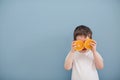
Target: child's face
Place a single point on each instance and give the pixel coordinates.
(81, 37)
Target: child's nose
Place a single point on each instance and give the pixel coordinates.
(84, 40)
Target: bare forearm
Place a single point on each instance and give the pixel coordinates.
(69, 61)
(98, 60)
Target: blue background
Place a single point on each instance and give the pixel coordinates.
(35, 36)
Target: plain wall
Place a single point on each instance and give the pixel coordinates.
(36, 35)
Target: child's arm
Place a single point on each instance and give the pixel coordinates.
(69, 61)
(69, 58)
(97, 58)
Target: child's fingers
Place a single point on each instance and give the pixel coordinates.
(73, 44)
(94, 41)
(93, 44)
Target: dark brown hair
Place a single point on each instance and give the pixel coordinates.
(82, 30)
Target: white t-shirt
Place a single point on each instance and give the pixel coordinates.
(83, 67)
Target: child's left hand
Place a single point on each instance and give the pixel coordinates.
(93, 44)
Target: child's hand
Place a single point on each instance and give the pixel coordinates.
(72, 47)
(93, 44)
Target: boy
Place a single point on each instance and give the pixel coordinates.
(84, 62)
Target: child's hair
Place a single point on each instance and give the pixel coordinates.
(82, 30)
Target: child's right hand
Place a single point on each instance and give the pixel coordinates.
(72, 46)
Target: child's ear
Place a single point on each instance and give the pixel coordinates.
(90, 36)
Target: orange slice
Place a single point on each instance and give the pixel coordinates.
(87, 43)
(79, 45)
